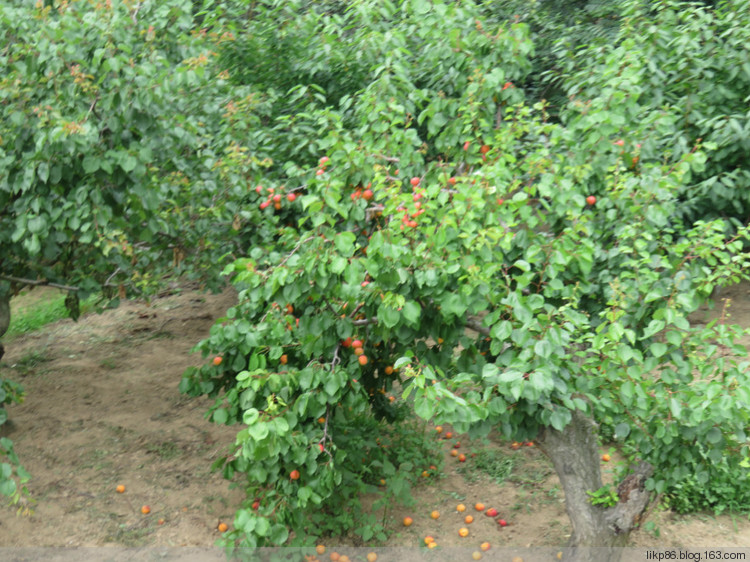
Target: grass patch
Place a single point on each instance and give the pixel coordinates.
(42, 312)
(492, 462)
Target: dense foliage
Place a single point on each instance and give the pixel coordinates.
(403, 213)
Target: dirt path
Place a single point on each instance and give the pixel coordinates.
(103, 409)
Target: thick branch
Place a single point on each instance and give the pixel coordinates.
(476, 325)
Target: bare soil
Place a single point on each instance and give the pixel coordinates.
(102, 409)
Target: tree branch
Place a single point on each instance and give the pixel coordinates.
(37, 282)
(476, 325)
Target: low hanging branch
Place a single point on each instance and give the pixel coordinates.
(37, 282)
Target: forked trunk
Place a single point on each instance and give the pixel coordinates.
(599, 532)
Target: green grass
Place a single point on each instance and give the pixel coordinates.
(33, 317)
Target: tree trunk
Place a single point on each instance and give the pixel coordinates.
(599, 532)
(4, 319)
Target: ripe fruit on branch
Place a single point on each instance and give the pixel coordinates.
(362, 360)
(324, 160)
(291, 197)
(294, 474)
(590, 199)
(217, 360)
(414, 181)
(357, 343)
(265, 204)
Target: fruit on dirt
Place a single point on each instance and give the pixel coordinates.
(428, 539)
(485, 546)
(371, 557)
(454, 453)
(502, 522)
(590, 199)
(448, 435)
(408, 521)
(463, 532)
(460, 508)
(120, 489)
(479, 506)
(461, 457)
(469, 519)
(435, 514)
(457, 445)
(425, 474)
(362, 359)
(160, 522)
(476, 555)
(320, 549)
(145, 510)
(491, 512)
(433, 544)
(335, 556)
(605, 457)
(217, 360)
(294, 474)
(439, 429)
(223, 527)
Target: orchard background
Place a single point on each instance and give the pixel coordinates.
(504, 215)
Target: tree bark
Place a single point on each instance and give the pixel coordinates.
(599, 532)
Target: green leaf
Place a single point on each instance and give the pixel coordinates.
(221, 416)
(90, 164)
(411, 312)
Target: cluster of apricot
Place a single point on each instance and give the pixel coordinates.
(358, 348)
(274, 198)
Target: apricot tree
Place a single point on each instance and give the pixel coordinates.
(499, 270)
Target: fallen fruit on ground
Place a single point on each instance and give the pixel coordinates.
(463, 532)
(461, 458)
(476, 555)
(335, 556)
(469, 519)
(435, 514)
(432, 545)
(605, 457)
(428, 539)
(145, 510)
(120, 489)
(320, 549)
(439, 429)
(223, 527)
(160, 522)
(460, 507)
(371, 557)
(408, 521)
(491, 512)
(454, 453)
(502, 522)
(485, 546)
(479, 506)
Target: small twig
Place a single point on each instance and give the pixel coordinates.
(37, 282)
(294, 250)
(366, 321)
(134, 17)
